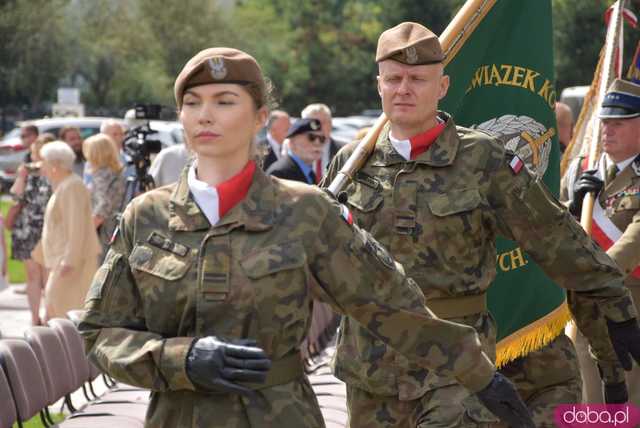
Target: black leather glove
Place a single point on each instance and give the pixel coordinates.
(586, 183)
(214, 365)
(615, 393)
(502, 399)
(625, 338)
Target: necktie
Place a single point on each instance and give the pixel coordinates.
(612, 171)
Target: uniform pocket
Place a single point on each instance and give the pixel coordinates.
(364, 198)
(454, 202)
(158, 262)
(282, 302)
(628, 203)
(457, 224)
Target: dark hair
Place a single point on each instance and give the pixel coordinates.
(31, 129)
(262, 97)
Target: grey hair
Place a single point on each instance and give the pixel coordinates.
(312, 109)
(58, 153)
(109, 122)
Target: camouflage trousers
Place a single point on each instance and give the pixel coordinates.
(592, 390)
(448, 407)
(546, 378)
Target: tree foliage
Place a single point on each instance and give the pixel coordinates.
(123, 51)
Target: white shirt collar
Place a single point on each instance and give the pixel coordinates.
(205, 196)
(402, 146)
(622, 164)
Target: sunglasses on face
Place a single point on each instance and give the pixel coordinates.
(316, 138)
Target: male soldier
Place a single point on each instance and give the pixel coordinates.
(616, 215)
(437, 196)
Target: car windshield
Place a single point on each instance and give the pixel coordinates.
(14, 133)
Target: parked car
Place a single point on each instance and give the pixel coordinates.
(12, 152)
(346, 128)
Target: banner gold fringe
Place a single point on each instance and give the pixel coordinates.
(534, 336)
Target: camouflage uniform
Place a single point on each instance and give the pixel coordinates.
(545, 378)
(439, 216)
(170, 277)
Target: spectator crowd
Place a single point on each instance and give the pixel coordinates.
(68, 193)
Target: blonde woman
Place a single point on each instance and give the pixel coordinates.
(108, 183)
(32, 192)
(69, 245)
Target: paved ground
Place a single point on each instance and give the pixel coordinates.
(14, 311)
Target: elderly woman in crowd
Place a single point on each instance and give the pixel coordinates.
(32, 191)
(69, 245)
(108, 185)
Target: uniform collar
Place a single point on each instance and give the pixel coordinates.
(441, 153)
(255, 212)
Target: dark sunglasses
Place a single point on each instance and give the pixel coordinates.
(315, 137)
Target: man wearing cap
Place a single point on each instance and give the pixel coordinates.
(305, 147)
(322, 112)
(616, 214)
(437, 196)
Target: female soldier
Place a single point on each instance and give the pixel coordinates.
(206, 292)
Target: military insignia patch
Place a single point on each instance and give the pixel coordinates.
(114, 235)
(516, 164)
(346, 215)
(217, 68)
(411, 55)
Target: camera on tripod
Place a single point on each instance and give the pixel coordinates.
(137, 144)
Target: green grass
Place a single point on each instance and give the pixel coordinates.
(16, 267)
(35, 421)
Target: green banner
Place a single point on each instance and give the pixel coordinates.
(502, 81)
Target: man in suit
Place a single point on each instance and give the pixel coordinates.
(271, 146)
(305, 147)
(616, 215)
(323, 114)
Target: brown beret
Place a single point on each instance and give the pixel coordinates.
(219, 65)
(409, 43)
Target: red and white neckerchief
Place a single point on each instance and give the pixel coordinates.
(603, 230)
(216, 201)
(418, 144)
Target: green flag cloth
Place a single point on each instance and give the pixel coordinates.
(502, 82)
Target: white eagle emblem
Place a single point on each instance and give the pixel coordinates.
(528, 139)
(217, 68)
(411, 54)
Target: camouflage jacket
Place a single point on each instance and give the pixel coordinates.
(170, 277)
(439, 216)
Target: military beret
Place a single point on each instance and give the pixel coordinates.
(300, 126)
(622, 101)
(409, 43)
(218, 65)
